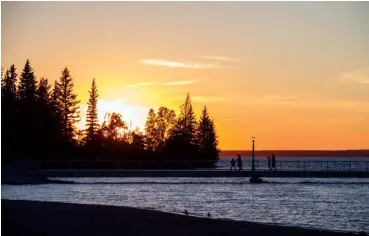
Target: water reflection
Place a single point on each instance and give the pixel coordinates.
(340, 204)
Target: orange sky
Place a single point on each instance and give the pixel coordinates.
(293, 74)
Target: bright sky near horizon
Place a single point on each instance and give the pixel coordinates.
(293, 74)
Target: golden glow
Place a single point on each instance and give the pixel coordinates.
(289, 74)
(133, 116)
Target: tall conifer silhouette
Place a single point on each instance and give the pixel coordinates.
(68, 104)
(91, 117)
(8, 84)
(206, 137)
(181, 141)
(27, 84)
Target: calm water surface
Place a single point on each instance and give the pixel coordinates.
(339, 204)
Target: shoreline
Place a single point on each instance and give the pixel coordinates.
(51, 218)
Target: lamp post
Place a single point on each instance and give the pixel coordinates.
(254, 175)
(253, 155)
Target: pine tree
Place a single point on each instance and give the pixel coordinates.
(186, 123)
(206, 137)
(68, 104)
(48, 129)
(92, 118)
(56, 107)
(43, 91)
(182, 136)
(9, 117)
(8, 84)
(3, 80)
(28, 113)
(55, 102)
(27, 85)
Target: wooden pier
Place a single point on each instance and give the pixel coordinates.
(202, 173)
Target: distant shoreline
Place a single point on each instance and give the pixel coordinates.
(298, 153)
(51, 218)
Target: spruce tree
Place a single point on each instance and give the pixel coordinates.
(28, 113)
(8, 84)
(186, 123)
(9, 117)
(181, 142)
(55, 101)
(55, 107)
(27, 85)
(3, 81)
(68, 104)
(47, 128)
(43, 91)
(206, 137)
(91, 117)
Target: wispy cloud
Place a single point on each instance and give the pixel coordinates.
(142, 84)
(360, 76)
(177, 64)
(180, 82)
(219, 58)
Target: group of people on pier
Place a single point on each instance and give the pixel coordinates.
(239, 163)
(271, 163)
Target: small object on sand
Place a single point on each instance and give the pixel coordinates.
(209, 214)
(186, 212)
(255, 179)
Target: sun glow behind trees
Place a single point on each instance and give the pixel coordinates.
(47, 123)
(134, 116)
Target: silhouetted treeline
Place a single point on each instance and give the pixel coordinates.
(38, 122)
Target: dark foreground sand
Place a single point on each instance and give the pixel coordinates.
(42, 218)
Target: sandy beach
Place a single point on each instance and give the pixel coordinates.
(46, 218)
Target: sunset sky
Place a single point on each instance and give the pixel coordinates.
(293, 74)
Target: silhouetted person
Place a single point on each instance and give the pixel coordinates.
(239, 162)
(269, 163)
(186, 212)
(209, 214)
(273, 162)
(233, 164)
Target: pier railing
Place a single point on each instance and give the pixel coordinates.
(260, 165)
(314, 165)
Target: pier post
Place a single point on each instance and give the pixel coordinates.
(253, 154)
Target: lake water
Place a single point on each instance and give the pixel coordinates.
(338, 204)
